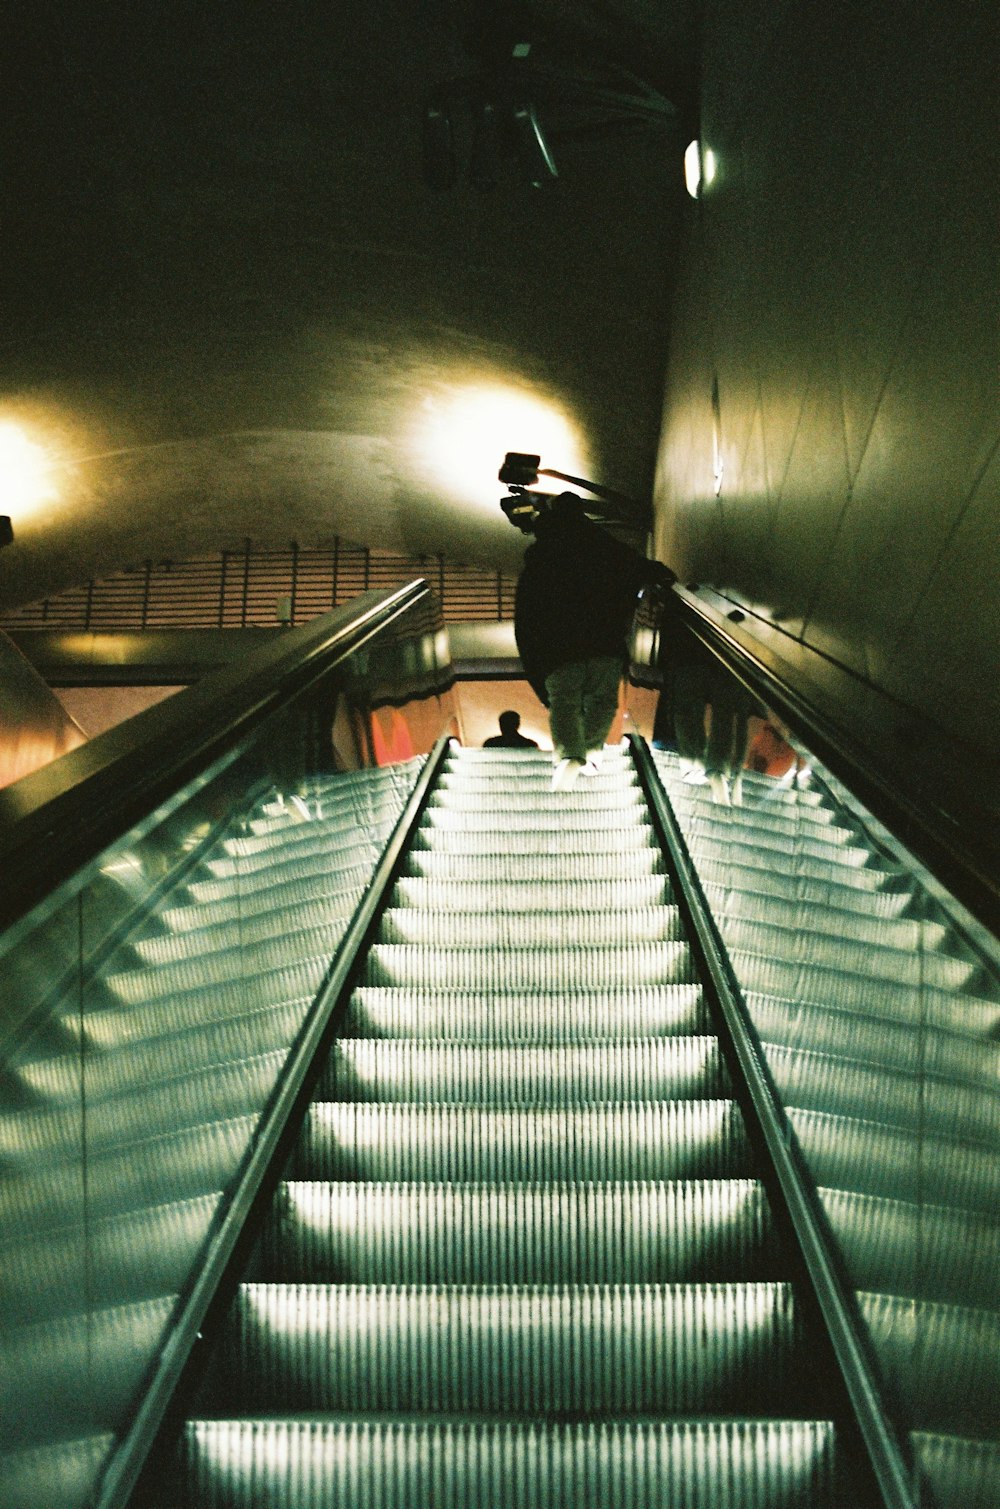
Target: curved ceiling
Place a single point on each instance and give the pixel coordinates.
(236, 310)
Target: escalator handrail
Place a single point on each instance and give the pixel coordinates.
(267, 1152)
(943, 825)
(59, 818)
(795, 1189)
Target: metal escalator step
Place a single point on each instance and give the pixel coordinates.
(877, 1040)
(847, 1087)
(957, 1355)
(912, 933)
(801, 946)
(435, 865)
(300, 845)
(41, 1368)
(552, 928)
(846, 891)
(155, 1171)
(503, 818)
(532, 802)
(758, 788)
(522, 1350)
(685, 1231)
(535, 895)
(508, 1016)
(220, 1092)
(537, 785)
(400, 1464)
(577, 968)
(140, 1064)
(818, 985)
(920, 1250)
(137, 1256)
(682, 1139)
(560, 842)
(62, 1474)
(850, 1154)
(499, 1074)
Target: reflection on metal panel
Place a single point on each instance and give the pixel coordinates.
(34, 726)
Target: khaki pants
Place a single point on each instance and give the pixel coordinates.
(583, 701)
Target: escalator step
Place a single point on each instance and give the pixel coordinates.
(512, 868)
(961, 1474)
(684, 1139)
(697, 1231)
(398, 1464)
(770, 828)
(236, 973)
(531, 802)
(851, 866)
(543, 1017)
(503, 819)
(269, 891)
(526, 1351)
(563, 842)
(521, 929)
(571, 968)
(499, 1074)
(802, 946)
(534, 895)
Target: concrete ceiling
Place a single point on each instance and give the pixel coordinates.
(233, 308)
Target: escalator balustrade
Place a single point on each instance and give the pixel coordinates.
(880, 1023)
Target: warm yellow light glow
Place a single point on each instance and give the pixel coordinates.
(465, 434)
(26, 480)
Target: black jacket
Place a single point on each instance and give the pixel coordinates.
(576, 595)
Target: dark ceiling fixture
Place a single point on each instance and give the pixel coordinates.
(496, 113)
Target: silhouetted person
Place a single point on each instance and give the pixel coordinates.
(509, 736)
(576, 597)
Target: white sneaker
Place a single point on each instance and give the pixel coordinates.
(692, 772)
(720, 790)
(736, 790)
(594, 760)
(565, 775)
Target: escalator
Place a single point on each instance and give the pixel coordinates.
(417, 1136)
(519, 1254)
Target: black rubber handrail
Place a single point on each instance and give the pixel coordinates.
(62, 816)
(832, 1299)
(926, 803)
(284, 1109)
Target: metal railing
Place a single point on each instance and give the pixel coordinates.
(251, 588)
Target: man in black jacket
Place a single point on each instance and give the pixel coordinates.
(575, 600)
